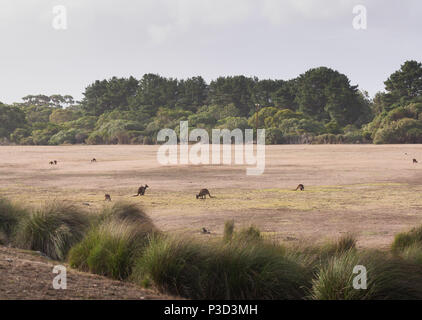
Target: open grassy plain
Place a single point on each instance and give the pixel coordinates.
(371, 191)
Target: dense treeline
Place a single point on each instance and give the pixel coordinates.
(319, 106)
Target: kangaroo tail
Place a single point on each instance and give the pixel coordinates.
(135, 195)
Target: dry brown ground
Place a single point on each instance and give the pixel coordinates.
(372, 191)
(27, 275)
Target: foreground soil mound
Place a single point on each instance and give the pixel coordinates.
(29, 275)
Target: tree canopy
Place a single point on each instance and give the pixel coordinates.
(318, 106)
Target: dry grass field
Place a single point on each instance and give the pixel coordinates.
(371, 191)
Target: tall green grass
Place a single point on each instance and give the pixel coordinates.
(52, 229)
(111, 247)
(228, 230)
(123, 243)
(387, 278)
(407, 239)
(220, 270)
(10, 216)
(126, 211)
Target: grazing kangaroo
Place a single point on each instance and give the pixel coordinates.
(415, 161)
(204, 230)
(203, 194)
(107, 197)
(301, 187)
(51, 162)
(141, 191)
(94, 160)
(55, 161)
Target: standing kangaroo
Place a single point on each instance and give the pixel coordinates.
(415, 161)
(203, 194)
(107, 197)
(301, 187)
(141, 190)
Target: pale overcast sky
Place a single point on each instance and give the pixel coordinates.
(183, 38)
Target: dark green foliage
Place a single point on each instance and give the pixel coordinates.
(319, 106)
(11, 118)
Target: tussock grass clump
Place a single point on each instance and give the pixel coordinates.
(342, 245)
(53, 229)
(407, 239)
(228, 230)
(10, 216)
(108, 250)
(219, 270)
(248, 234)
(111, 247)
(387, 278)
(413, 253)
(125, 211)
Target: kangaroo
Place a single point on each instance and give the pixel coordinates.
(203, 194)
(415, 161)
(51, 162)
(301, 187)
(141, 190)
(94, 160)
(107, 197)
(55, 161)
(204, 230)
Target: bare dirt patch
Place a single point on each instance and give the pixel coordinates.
(25, 274)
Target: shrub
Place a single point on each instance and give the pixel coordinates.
(218, 270)
(53, 229)
(10, 216)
